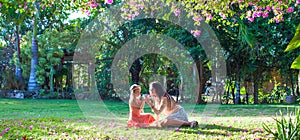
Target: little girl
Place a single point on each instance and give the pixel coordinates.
(136, 106)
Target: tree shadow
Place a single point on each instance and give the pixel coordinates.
(206, 129)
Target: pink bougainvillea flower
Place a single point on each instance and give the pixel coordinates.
(223, 15)
(277, 20)
(2, 133)
(268, 8)
(177, 12)
(108, 1)
(30, 127)
(125, 9)
(230, 126)
(139, 6)
(209, 17)
(259, 13)
(254, 14)
(290, 10)
(4, 125)
(131, 3)
(25, 7)
(197, 18)
(196, 33)
(93, 4)
(251, 19)
(245, 131)
(261, 130)
(88, 12)
(265, 14)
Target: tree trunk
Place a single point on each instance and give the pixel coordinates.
(232, 92)
(69, 78)
(51, 78)
(202, 81)
(247, 92)
(292, 84)
(17, 44)
(135, 71)
(32, 84)
(237, 94)
(227, 92)
(255, 93)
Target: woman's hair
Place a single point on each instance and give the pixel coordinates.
(132, 89)
(161, 92)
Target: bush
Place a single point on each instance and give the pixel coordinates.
(286, 129)
(277, 95)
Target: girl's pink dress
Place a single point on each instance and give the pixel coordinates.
(137, 119)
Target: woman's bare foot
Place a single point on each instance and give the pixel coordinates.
(193, 124)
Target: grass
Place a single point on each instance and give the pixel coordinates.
(55, 119)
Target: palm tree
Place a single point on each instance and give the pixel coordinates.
(32, 83)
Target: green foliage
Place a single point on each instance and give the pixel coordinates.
(153, 65)
(286, 129)
(295, 43)
(10, 82)
(245, 35)
(278, 94)
(51, 46)
(296, 63)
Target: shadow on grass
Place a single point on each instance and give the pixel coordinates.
(204, 129)
(208, 129)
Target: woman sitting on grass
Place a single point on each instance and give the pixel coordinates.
(165, 104)
(136, 106)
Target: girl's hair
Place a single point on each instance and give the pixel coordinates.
(161, 92)
(132, 89)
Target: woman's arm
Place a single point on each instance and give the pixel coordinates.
(161, 107)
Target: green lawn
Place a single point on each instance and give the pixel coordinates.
(54, 119)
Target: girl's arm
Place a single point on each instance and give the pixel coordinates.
(134, 103)
(142, 105)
